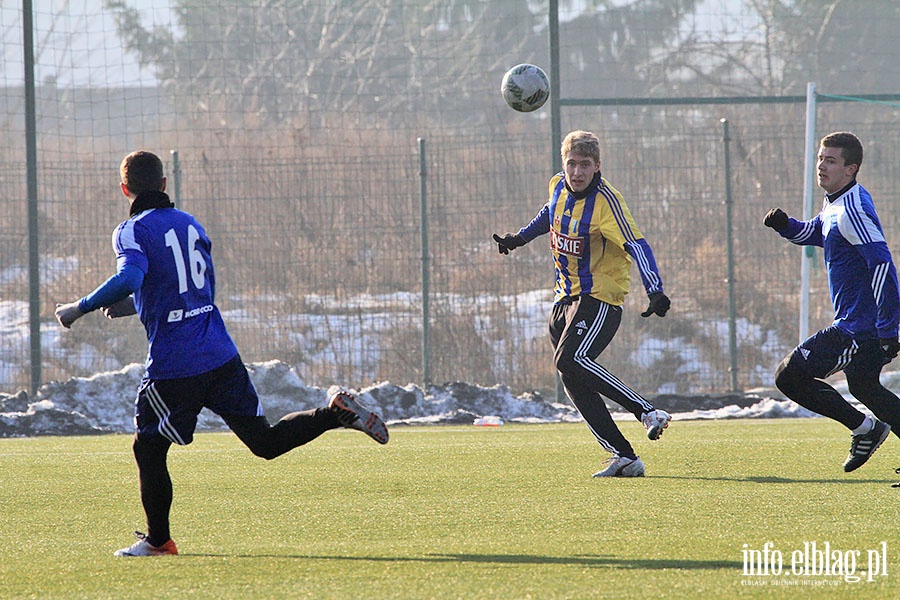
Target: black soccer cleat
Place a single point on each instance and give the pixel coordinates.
(864, 446)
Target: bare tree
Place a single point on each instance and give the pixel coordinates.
(290, 59)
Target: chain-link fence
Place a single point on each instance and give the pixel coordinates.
(314, 208)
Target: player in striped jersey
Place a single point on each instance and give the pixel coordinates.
(864, 292)
(593, 241)
(165, 276)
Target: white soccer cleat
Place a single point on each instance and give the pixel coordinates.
(144, 548)
(352, 414)
(619, 466)
(654, 422)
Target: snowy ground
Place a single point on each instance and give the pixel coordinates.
(103, 403)
(365, 319)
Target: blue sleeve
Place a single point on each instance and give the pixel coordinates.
(804, 233)
(888, 319)
(118, 287)
(539, 225)
(883, 276)
(643, 256)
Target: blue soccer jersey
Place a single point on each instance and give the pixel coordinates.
(861, 274)
(175, 302)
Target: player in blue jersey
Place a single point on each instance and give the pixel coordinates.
(593, 241)
(864, 292)
(165, 275)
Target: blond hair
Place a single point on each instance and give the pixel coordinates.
(581, 142)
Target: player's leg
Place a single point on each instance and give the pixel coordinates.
(156, 498)
(863, 380)
(156, 486)
(229, 392)
(163, 416)
(597, 417)
(590, 326)
(566, 333)
(291, 431)
(800, 376)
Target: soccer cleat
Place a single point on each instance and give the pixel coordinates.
(144, 548)
(619, 466)
(352, 414)
(654, 422)
(864, 445)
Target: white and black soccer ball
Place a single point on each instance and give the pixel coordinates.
(525, 87)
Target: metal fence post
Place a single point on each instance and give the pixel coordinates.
(555, 122)
(34, 280)
(176, 179)
(426, 281)
(729, 257)
(555, 116)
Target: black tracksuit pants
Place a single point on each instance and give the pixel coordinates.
(580, 330)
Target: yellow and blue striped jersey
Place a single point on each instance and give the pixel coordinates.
(593, 239)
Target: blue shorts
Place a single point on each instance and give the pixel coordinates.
(832, 350)
(169, 407)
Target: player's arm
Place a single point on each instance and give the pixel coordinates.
(126, 281)
(539, 225)
(122, 308)
(642, 254)
(802, 233)
(619, 227)
(883, 276)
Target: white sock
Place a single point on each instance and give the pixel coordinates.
(867, 425)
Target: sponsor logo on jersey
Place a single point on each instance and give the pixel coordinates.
(570, 246)
(180, 315)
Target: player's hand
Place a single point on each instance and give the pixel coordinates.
(508, 242)
(777, 219)
(67, 314)
(122, 308)
(890, 347)
(659, 304)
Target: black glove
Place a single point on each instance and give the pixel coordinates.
(777, 219)
(508, 242)
(890, 347)
(659, 304)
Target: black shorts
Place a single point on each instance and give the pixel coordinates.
(169, 407)
(832, 350)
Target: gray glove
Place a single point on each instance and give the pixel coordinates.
(67, 314)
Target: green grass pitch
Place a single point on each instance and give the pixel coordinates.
(460, 512)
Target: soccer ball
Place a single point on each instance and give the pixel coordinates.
(525, 87)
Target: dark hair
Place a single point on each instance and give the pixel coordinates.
(851, 147)
(142, 171)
